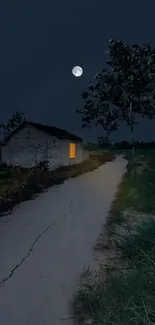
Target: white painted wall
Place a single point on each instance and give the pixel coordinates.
(59, 154)
(30, 146)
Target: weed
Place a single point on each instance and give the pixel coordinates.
(128, 295)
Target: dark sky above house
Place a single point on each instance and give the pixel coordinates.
(41, 41)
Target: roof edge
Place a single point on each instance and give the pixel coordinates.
(26, 122)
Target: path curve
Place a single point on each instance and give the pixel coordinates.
(45, 244)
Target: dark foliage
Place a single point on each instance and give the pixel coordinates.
(123, 91)
(13, 123)
(138, 145)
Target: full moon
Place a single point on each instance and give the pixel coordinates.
(77, 71)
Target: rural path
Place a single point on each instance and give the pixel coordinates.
(46, 242)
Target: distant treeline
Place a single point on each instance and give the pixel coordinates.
(137, 144)
(122, 145)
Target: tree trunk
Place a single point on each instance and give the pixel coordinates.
(107, 136)
(133, 139)
(132, 128)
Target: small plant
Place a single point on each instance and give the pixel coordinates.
(43, 165)
(3, 165)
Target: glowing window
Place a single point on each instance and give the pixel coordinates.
(72, 151)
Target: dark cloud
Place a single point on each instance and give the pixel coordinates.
(42, 41)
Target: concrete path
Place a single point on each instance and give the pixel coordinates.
(46, 243)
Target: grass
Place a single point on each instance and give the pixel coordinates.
(128, 294)
(126, 298)
(140, 248)
(7, 176)
(137, 152)
(17, 185)
(137, 188)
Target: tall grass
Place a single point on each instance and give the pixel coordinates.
(137, 188)
(127, 296)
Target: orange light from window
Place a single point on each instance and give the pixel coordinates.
(72, 152)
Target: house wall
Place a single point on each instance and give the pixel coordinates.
(30, 146)
(60, 154)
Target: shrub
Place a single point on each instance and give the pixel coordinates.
(26, 184)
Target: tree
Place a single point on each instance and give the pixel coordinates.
(96, 110)
(13, 123)
(123, 91)
(103, 142)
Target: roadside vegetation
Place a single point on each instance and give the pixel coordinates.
(102, 144)
(124, 292)
(137, 187)
(19, 184)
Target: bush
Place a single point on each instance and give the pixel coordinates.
(5, 173)
(26, 184)
(43, 165)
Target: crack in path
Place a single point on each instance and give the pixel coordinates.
(3, 281)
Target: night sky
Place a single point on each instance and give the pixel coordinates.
(41, 41)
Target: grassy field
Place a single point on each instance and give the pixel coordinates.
(138, 152)
(128, 294)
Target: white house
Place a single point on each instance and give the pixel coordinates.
(33, 143)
